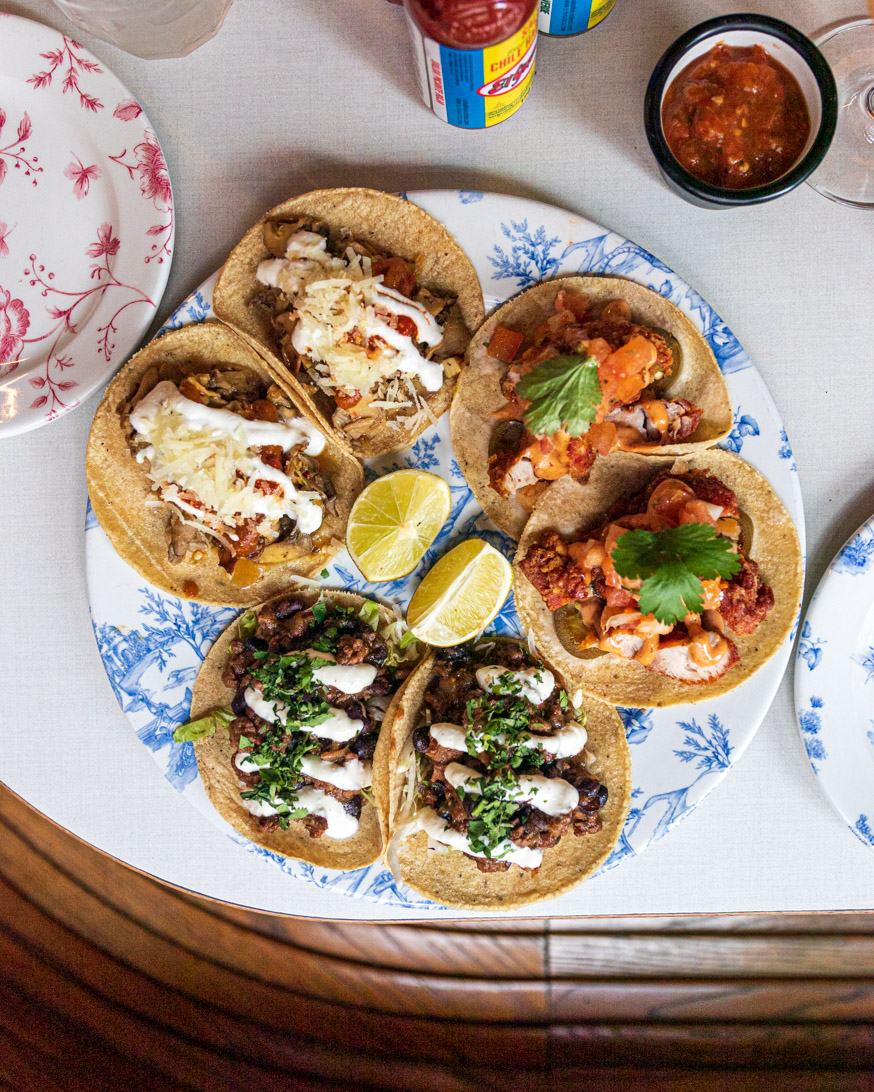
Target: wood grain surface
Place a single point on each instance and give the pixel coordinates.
(111, 980)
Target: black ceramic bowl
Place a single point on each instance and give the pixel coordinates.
(786, 45)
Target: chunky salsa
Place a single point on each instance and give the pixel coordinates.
(735, 117)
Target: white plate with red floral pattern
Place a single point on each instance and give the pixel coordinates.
(86, 224)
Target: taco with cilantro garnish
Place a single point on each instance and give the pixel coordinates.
(286, 712)
(573, 369)
(497, 788)
(208, 478)
(660, 581)
(363, 304)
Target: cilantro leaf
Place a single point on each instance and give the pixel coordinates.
(672, 563)
(203, 727)
(564, 392)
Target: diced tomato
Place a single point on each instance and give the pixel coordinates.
(616, 311)
(405, 325)
(271, 455)
(264, 410)
(266, 486)
(602, 437)
(505, 344)
(623, 374)
(397, 274)
(575, 302)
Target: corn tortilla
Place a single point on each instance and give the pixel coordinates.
(573, 510)
(215, 762)
(452, 879)
(119, 487)
(388, 222)
(478, 393)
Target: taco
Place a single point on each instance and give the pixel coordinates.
(576, 368)
(495, 788)
(285, 715)
(660, 581)
(363, 303)
(208, 478)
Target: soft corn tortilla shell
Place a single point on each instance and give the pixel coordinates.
(215, 758)
(118, 485)
(395, 226)
(452, 879)
(572, 510)
(478, 393)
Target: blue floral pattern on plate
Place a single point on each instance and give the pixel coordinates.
(833, 705)
(151, 644)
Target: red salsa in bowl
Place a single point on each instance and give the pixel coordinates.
(735, 117)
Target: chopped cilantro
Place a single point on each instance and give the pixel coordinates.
(564, 392)
(320, 611)
(672, 564)
(324, 574)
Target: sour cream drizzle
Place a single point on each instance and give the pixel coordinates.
(564, 743)
(352, 775)
(339, 726)
(551, 795)
(536, 683)
(341, 824)
(436, 828)
(347, 678)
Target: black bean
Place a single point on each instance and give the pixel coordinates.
(255, 644)
(589, 787)
(422, 738)
(353, 806)
(603, 794)
(364, 745)
(238, 703)
(286, 607)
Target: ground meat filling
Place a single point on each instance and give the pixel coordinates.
(288, 626)
(454, 696)
(568, 572)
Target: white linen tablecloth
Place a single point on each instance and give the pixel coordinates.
(300, 94)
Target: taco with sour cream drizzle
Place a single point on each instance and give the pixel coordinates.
(286, 712)
(362, 302)
(497, 787)
(208, 478)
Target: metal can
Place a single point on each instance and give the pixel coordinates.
(564, 18)
(473, 86)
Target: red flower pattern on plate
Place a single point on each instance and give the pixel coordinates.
(5, 232)
(150, 167)
(127, 110)
(14, 322)
(81, 176)
(62, 314)
(14, 152)
(76, 66)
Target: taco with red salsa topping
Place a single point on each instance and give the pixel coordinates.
(208, 478)
(660, 581)
(574, 369)
(363, 304)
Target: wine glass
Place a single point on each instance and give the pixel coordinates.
(846, 174)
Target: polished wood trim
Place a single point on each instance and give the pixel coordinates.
(109, 979)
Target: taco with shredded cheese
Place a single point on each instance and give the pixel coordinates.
(497, 787)
(363, 303)
(660, 581)
(574, 369)
(208, 478)
(286, 712)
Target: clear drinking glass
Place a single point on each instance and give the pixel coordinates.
(847, 172)
(153, 29)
